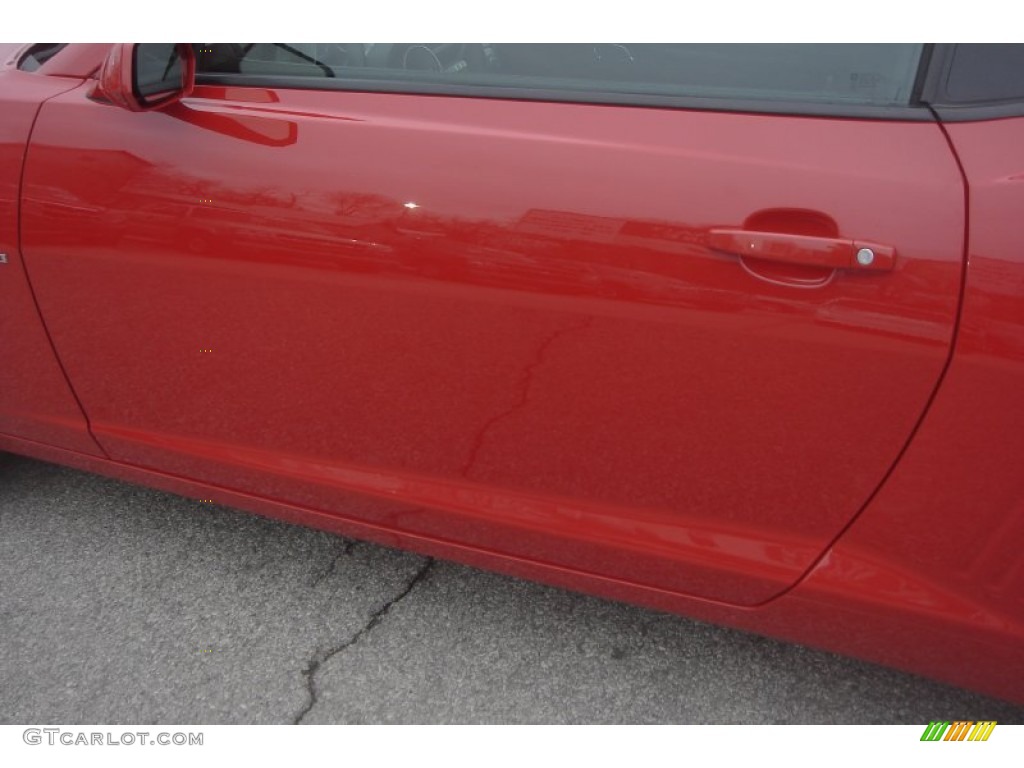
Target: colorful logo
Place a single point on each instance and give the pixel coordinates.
(959, 730)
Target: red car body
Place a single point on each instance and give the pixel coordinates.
(624, 349)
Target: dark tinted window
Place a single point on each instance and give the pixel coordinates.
(981, 73)
(875, 74)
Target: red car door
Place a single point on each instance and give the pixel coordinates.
(677, 347)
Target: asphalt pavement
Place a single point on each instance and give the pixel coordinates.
(124, 605)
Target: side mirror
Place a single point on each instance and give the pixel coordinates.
(145, 76)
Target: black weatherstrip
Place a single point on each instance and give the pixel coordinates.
(833, 109)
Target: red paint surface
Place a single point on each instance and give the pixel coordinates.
(539, 365)
(943, 540)
(544, 353)
(35, 400)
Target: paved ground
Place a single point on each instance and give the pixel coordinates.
(125, 605)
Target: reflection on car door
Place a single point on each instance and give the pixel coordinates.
(504, 320)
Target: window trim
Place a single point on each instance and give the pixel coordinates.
(916, 111)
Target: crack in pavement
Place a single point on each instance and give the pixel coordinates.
(345, 550)
(322, 657)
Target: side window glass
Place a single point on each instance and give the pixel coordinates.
(869, 74)
(986, 73)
